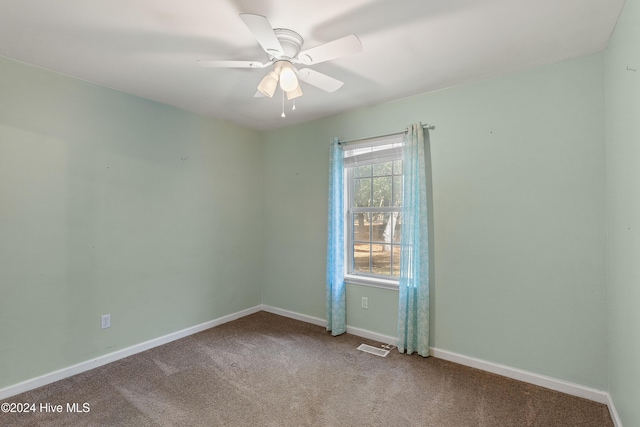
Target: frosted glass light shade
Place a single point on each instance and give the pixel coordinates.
(293, 94)
(268, 84)
(288, 79)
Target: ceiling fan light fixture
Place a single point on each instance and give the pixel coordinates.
(284, 50)
(268, 84)
(293, 94)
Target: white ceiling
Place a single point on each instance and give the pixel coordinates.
(150, 48)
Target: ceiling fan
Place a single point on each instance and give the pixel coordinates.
(283, 48)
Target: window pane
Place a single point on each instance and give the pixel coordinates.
(397, 229)
(377, 224)
(397, 167)
(362, 171)
(382, 191)
(381, 260)
(361, 255)
(381, 169)
(361, 226)
(396, 261)
(380, 229)
(362, 192)
(397, 191)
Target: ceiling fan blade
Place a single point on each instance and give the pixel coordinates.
(232, 64)
(325, 52)
(319, 80)
(263, 32)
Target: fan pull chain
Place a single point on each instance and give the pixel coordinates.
(294, 105)
(283, 114)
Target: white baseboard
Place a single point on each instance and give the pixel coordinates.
(322, 322)
(117, 355)
(372, 335)
(525, 376)
(613, 411)
(294, 315)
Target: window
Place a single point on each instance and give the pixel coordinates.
(373, 211)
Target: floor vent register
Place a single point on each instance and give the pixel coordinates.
(373, 350)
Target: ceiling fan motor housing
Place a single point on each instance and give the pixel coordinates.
(290, 41)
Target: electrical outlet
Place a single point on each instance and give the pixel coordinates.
(365, 302)
(105, 321)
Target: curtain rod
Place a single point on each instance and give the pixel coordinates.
(348, 141)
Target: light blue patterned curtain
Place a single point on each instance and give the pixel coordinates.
(413, 313)
(336, 289)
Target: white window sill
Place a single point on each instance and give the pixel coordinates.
(375, 282)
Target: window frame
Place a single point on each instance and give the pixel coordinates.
(351, 276)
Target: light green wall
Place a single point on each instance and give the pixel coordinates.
(114, 204)
(623, 212)
(382, 312)
(518, 189)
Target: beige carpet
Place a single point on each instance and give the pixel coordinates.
(267, 370)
